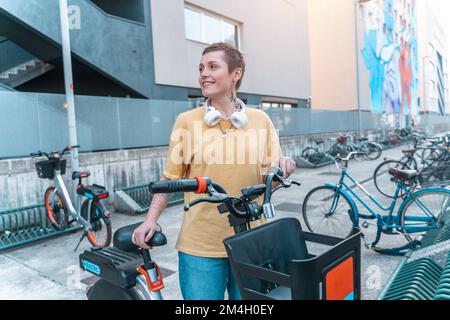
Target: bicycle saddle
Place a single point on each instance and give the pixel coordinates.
(362, 139)
(80, 174)
(403, 175)
(409, 151)
(319, 142)
(122, 239)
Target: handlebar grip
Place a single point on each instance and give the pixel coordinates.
(276, 171)
(172, 186)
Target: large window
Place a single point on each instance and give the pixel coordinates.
(208, 28)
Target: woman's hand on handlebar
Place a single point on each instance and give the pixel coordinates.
(287, 165)
(143, 233)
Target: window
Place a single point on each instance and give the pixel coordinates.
(285, 106)
(208, 28)
(193, 24)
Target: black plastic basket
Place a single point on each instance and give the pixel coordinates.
(272, 262)
(45, 168)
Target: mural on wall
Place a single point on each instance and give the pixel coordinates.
(390, 55)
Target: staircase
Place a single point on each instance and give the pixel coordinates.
(24, 72)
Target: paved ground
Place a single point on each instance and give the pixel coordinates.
(49, 269)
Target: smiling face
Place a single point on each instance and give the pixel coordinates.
(215, 78)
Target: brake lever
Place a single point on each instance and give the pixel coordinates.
(214, 199)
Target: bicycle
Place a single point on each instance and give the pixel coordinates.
(331, 209)
(314, 154)
(434, 168)
(128, 272)
(93, 215)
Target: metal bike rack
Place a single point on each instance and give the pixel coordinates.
(138, 198)
(28, 224)
(303, 163)
(423, 278)
(273, 262)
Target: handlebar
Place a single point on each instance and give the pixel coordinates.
(54, 154)
(238, 207)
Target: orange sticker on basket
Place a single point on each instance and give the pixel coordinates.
(340, 281)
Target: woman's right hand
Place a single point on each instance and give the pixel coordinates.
(144, 233)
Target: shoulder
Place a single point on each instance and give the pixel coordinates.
(190, 115)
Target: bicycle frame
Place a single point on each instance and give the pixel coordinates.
(61, 186)
(389, 222)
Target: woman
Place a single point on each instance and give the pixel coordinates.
(229, 144)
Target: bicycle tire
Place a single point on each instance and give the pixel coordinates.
(314, 207)
(312, 154)
(442, 204)
(98, 224)
(382, 178)
(59, 220)
(374, 151)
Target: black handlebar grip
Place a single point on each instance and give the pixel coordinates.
(172, 186)
(276, 171)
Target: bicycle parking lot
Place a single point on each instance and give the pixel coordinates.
(52, 268)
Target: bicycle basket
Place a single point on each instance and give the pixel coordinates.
(45, 168)
(273, 261)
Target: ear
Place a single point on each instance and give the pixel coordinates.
(237, 74)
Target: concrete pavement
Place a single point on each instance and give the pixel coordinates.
(49, 269)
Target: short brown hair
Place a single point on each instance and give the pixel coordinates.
(233, 57)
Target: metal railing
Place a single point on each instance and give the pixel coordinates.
(28, 224)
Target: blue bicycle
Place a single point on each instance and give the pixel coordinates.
(332, 210)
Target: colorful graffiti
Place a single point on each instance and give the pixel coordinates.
(390, 55)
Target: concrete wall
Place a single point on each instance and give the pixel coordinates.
(274, 40)
(332, 51)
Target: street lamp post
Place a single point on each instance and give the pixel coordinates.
(69, 88)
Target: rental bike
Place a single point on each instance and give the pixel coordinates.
(93, 215)
(332, 209)
(128, 272)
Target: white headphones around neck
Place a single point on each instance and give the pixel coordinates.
(238, 119)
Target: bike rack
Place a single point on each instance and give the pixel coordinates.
(303, 163)
(137, 199)
(273, 262)
(419, 276)
(25, 225)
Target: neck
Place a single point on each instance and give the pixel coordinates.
(225, 105)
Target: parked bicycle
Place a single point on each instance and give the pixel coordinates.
(128, 272)
(432, 164)
(332, 209)
(366, 149)
(315, 155)
(93, 215)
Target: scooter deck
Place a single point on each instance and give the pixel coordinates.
(113, 265)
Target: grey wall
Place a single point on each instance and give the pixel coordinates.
(114, 46)
(275, 65)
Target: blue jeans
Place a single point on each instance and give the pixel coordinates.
(206, 278)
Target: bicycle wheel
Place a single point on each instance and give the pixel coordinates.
(56, 208)
(312, 155)
(373, 151)
(328, 212)
(425, 209)
(100, 233)
(383, 180)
